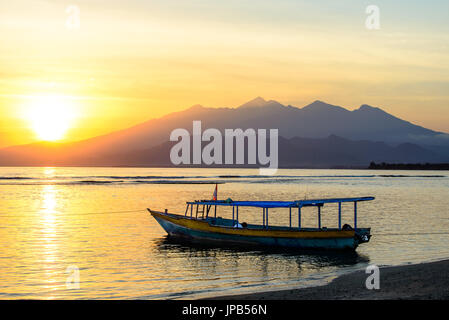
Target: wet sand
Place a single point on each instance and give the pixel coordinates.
(421, 281)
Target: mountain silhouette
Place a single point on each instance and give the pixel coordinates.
(317, 135)
(330, 152)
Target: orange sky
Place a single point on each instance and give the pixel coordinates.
(127, 64)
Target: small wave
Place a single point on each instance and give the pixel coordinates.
(92, 182)
(229, 177)
(143, 177)
(200, 179)
(178, 182)
(409, 176)
(60, 183)
(215, 177)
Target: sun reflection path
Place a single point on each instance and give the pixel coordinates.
(49, 172)
(48, 209)
(48, 205)
(49, 237)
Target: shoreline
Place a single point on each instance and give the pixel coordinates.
(422, 281)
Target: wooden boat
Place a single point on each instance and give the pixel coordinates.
(203, 226)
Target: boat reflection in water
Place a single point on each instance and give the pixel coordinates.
(237, 269)
(317, 258)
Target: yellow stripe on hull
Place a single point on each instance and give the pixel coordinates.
(204, 226)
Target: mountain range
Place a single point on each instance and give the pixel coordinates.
(317, 135)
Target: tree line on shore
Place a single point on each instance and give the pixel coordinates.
(409, 166)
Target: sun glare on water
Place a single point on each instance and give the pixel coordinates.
(50, 117)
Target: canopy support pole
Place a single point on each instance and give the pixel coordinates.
(233, 209)
(299, 217)
(215, 211)
(355, 215)
(266, 210)
(263, 217)
(237, 214)
(290, 217)
(187, 209)
(339, 215)
(319, 217)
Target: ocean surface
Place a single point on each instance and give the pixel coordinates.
(55, 221)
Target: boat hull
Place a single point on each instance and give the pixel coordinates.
(197, 230)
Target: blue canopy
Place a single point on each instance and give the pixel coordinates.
(278, 204)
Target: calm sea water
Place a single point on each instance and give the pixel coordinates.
(94, 219)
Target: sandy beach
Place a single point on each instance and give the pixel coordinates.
(426, 281)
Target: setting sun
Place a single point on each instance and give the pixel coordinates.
(50, 117)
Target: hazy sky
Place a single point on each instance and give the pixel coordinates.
(130, 61)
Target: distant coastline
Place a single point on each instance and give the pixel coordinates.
(409, 166)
